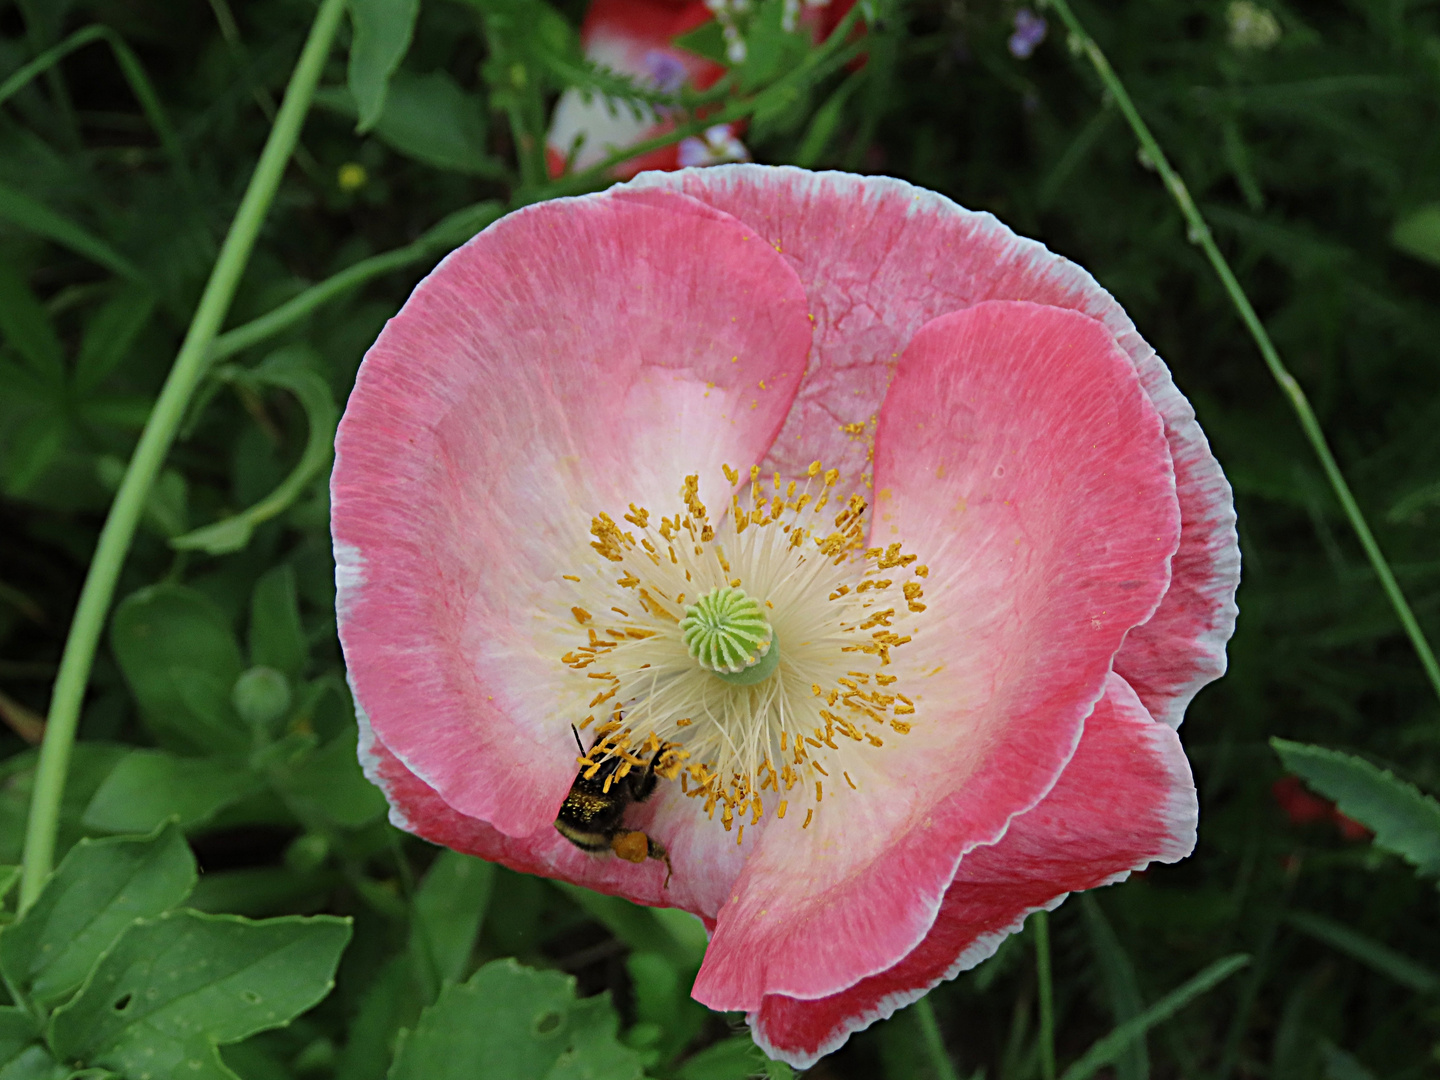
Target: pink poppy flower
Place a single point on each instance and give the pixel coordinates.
(580, 482)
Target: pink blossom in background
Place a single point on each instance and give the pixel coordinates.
(1022, 572)
(637, 38)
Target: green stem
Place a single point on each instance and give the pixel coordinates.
(934, 1043)
(155, 441)
(296, 308)
(1199, 233)
(1041, 921)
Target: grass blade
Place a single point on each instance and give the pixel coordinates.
(1367, 950)
(1107, 1050)
(33, 216)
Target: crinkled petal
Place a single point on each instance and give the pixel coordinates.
(1018, 456)
(1125, 799)
(879, 259)
(575, 356)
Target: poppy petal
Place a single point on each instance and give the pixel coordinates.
(880, 258)
(574, 357)
(1126, 799)
(1018, 453)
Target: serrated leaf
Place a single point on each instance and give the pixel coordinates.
(1405, 821)
(148, 787)
(174, 987)
(383, 29)
(180, 659)
(515, 1022)
(100, 889)
(277, 639)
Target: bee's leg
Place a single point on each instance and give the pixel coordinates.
(654, 850)
(636, 847)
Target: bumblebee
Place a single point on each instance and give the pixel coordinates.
(592, 816)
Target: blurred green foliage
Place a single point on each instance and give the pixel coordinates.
(1310, 137)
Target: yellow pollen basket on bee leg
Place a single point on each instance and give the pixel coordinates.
(688, 679)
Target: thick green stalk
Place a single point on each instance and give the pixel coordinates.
(1199, 233)
(934, 1044)
(1041, 922)
(155, 441)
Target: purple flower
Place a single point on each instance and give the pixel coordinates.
(1029, 32)
(665, 71)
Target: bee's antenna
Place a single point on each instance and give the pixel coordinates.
(578, 743)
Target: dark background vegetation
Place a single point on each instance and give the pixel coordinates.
(1303, 155)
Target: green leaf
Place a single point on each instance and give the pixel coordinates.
(329, 784)
(110, 334)
(707, 40)
(662, 998)
(21, 210)
(35, 1062)
(149, 787)
(174, 987)
(233, 533)
(734, 1058)
(1405, 820)
(431, 119)
(383, 29)
(1340, 1065)
(27, 329)
(90, 764)
(34, 447)
(180, 659)
(449, 907)
(100, 889)
(514, 1022)
(1107, 1050)
(277, 639)
(655, 930)
(1418, 234)
(9, 875)
(1368, 951)
(771, 51)
(17, 1033)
